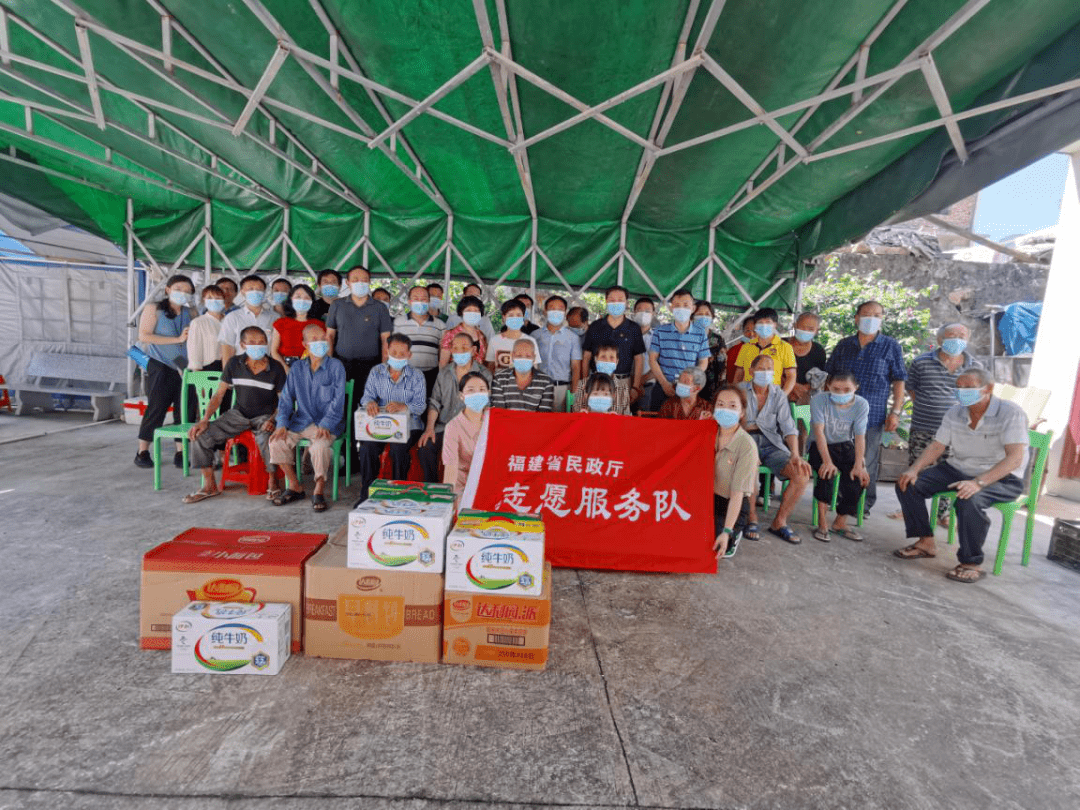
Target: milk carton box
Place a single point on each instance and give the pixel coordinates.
(386, 427)
(496, 552)
(401, 534)
(381, 487)
(231, 638)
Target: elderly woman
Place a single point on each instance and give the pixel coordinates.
(734, 471)
(687, 402)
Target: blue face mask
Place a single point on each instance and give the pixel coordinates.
(616, 309)
(704, 321)
(215, 305)
(747, 338)
(318, 348)
(397, 363)
(765, 330)
(257, 352)
(462, 358)
(330, 290)
(301, 304)
(278, 298)
(556, 317)
(599, 403)
(763, 378)
(515, 322)
(523, 365)
(471, 317)
(436, 303)
(476, 402)
(682, 314)
(181, 299)
(953, 346)
(968, 396)
(683, 390)
(254, 297)
(725, 417)
(803, 336)
(360, 288)
(606, 366)
(869, 326)
(419, 307)
(841, 399)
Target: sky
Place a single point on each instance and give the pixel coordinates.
(1023, 202)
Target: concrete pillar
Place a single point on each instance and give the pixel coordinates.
(1057, 347)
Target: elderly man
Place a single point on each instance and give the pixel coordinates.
(877, 362)
(808, 354)
(988, 440)
(311, 406)
(767, 342)
(769, 423)
(687, 402)
(521, 387)
(396, 387)
(425, 331)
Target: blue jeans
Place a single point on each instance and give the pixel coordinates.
(873, 462)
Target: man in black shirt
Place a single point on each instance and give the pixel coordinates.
(258, 379)
(328, 288)
(624, 333)
(529, 326)
(808, 354)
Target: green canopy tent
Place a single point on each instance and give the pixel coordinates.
(699, 143)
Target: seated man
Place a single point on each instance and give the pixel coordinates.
(521, 387)
(771, 426)
(987, 439)
(687, 402)
(396, 387)
(606, 361)
(311, 406)
(258, 380)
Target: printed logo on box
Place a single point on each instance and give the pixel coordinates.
(223, 590)
(231, 640)
(403, 534)
(230, 611)
(381, 429)
(368, 583)
(254, 538)
(491, 568)
(461, 610)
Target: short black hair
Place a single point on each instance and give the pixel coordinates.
(557, 298)
(646, 300)
(469, 301)
(281, 280)
(397, 337)
(766, 314)
(596, 379)
(417, 287)
(252, 330)
(617, 288)
(525, 297)
(473, 284)
(437, 286)
(703, 303)
(254, 278)
(467, 336)
(510, 305)
(681, 291)
(227, 280)
(325, 273)
(606, 344)
(382, 290)
(583, 311)
(212, 288)
(472, 375)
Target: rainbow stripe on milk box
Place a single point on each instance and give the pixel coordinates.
(386, 427)
(231, 638)
(400, 533)
(496, 552)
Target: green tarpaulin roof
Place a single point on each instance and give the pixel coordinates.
(713, 144)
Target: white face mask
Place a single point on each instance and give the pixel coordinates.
(644, 318)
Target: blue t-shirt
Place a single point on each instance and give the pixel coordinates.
(841, 424)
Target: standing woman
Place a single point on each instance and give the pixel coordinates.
(735, 471)
(838, 419)
(163, 332)
(287, 335)
(203, 349)
(459, 438)
(704, 315)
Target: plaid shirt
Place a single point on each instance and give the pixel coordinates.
(876, 366)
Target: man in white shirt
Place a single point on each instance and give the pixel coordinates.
(251, 313)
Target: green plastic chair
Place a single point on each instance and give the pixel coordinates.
(800, 413)
(1040, 442)
(344, 440)
(205, 384)
(569, 401)
(832, 503)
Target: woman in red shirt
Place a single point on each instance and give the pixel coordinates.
(286, 343)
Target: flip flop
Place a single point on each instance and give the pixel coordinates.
(752, 531)
(200, 495)
(850, 534)
(954, 575)
(318, 502)
(288, 496)
(822, 535)
(914, 552)
(273, 494)
(785, 533)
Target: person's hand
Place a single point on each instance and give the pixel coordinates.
(372, 408)
(965, 489)
(803, 466)
(183, 336)
(395, 407)
(891, 422)
(427, 436)
(798, 392)
(861, 475)
(196, 430)
(324, 434)
(669, 389)
(720, 546)
(705, 416)
(268, 425)
(908, 476)
(827, 470)
(279, 434)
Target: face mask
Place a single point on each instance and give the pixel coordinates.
(869, 326)
(747, 338)
(683, 390)
(419, 307)
(360, 288)
(462, 358)
(763, 378)
(606, 366)
(704, 321)
(765, 330)
(616, 309)
(803, 336)
(181, 299)
(256, 352)
(471, 318)
(397, 363)
(682, 314)
(515, 322)
(644, 319)
(556, 317)
(436, 303)
(953, 346)
(600, 403)
(330, 290)
(318, 348)
(476, 402)
(523, 365)
(968, 396)
(254, 297)
(301, 304)
(725, 417)
(577, 330)
(215, 305)
(840, 399)
(279, 298)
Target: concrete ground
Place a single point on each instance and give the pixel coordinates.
(818, 676)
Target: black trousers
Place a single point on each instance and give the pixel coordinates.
(843, 458)
(430, 454)
(720, 505)
(357, 370)
(370, 453)
(163, 385)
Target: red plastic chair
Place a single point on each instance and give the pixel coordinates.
(5, 397)
(386, 469)
(251, 472)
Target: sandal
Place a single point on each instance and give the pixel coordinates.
(751, 532)
(821, 534)
(785, 533)
(288, 496)
(913, 552)
(201, 495)
(850, 534)
(958, 574)
(273, 494)
(318, 502)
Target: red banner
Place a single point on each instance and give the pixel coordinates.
(614, 492)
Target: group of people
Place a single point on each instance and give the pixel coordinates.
(292, 365)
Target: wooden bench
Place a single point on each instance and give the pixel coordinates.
(103, 379)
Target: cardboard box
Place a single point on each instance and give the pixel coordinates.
(495, 551)
(403, 534)
(370, 615)
(386, 427)
(231, 638)
(497, 630)
(135, 408)
(386, 486)
(222, 565)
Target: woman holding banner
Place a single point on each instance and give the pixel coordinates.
(735, 470)
(459, 438)
(599, 393)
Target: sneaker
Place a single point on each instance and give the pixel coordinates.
(178, 460)
(142, 459)
(733, 546)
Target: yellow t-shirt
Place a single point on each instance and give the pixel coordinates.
(779, 350)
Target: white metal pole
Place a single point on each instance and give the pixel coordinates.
(449, 250)
(207, 243)
(367, 235)
(285, 241)
(532, 260)
(130, 222)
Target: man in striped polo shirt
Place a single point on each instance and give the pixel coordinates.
(521, 387)
(425, 331)
(675, 347)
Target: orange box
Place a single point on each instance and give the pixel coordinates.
(497, 630)
(372, 615)
(222, 565)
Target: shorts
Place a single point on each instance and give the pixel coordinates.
(771, 456)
